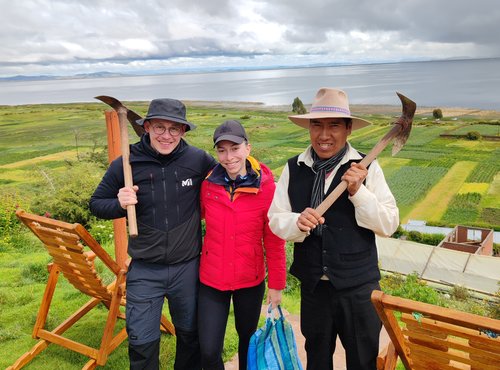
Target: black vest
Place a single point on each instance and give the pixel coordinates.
(345, 252)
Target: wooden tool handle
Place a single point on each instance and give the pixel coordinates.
(127, 171)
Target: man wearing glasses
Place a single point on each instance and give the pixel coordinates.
(167, 174)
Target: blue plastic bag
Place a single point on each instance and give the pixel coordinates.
(273, 346)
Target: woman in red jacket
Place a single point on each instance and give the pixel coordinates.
(238, 244)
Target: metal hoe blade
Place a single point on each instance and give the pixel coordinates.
(406, 120)
(132, 117)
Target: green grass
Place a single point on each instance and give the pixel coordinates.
(22, 282)
(483, 129)
(39, 142)
(67, 128)
(411, 183)
(463, 208)
(63, 130)
(485, 171)
(433, 206)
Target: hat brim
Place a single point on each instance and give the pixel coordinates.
(190, 126)
(303, 119)
(233, 138)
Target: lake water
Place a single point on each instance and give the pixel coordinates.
(461, 83)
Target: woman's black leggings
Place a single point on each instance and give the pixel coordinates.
(213, 311)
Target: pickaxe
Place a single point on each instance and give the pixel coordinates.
(131, 115)
(399, 133)
(123, 114)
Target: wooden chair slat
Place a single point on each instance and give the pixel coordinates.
(65, 235)
(453, 344)
(60, 243)
(454, 330)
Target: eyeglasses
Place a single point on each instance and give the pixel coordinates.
(172, 130)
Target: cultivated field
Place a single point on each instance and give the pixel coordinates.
(433, 178)
(54, 155)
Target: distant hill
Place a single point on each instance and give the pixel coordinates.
(216, 68)
(77, 76)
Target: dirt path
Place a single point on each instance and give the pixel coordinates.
(49, 157)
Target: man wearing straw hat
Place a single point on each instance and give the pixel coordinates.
(335, 255)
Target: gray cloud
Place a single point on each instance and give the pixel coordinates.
(443, 21)
(58, 36)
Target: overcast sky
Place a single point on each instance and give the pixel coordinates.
(140, 36)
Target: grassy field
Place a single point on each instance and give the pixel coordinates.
(46, 147)
(38, 140)
(433, 206)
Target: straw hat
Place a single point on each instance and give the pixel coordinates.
(329, 103)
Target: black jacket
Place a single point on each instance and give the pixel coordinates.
(168, 208)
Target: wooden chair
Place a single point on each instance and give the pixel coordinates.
(66, 244)
(432, 337)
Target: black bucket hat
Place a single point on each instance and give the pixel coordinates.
(169, 109)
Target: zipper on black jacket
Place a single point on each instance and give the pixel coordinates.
(153, 197)
(177, 194)
(164, 183)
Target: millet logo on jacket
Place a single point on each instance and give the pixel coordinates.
(187, 182)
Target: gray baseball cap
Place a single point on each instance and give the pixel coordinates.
(230, 130)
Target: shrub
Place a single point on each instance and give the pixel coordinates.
(9, 224)
(473, 135)
(495, 307)
(460, 292)
(298, 106)
(496, 249)
(246, 116)
(102, 231)
(437, 113)
(414, 288)
(398, 233)
(391, 282)
(68, 194)
(35, 273)
(424, 238)
(292, 283)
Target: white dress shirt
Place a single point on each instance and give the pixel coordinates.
(374, 204)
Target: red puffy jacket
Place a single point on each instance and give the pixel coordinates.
(238, 237)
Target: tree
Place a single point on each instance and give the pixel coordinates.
(437, 113)
(298, 106)
(473, 135)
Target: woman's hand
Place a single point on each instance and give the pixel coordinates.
(274, 297)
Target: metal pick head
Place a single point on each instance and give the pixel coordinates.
(406, 120)
(132, 117)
